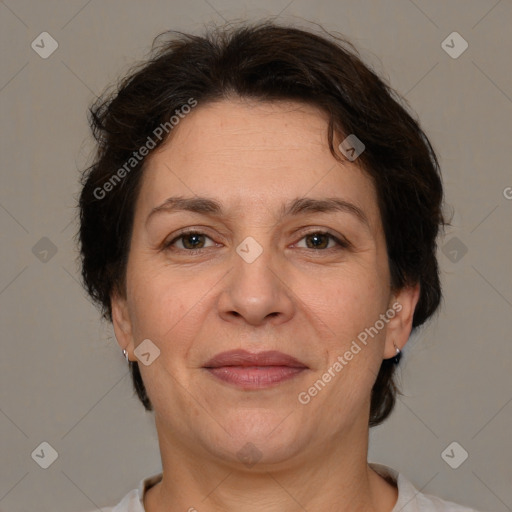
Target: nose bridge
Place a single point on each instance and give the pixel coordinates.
(255, 291)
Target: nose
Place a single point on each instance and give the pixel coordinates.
(256, 293)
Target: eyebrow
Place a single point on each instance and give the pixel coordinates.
(303, 205)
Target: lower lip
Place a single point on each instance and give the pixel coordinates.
(255, 377)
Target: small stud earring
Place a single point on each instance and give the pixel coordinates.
(125, 354)
(398, 355)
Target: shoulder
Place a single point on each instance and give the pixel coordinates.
(130, 503)
(412, 500)
(133, 501)
(409, 498)
(428, 503)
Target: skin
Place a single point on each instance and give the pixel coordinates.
(253, 158)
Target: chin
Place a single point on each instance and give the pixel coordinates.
(256, 437)
(256, 454)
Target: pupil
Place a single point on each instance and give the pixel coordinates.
(192, 245)
(318, 237)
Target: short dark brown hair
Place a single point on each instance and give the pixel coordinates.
(265, 62)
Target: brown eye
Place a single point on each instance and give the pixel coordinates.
(189, 241)
(193, 241)
(317, 241)
(321, 240)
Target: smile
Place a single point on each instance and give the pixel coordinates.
(255, 377)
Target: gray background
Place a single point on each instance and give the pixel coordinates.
(63, 378)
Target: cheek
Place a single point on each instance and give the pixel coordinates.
(350, 305)
(168, 305)
(348, 301)
(155, 303)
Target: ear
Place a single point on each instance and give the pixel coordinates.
(122, 325)
(403, 303)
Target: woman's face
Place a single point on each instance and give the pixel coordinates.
(258, 275)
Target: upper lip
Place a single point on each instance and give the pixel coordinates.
(245, 358)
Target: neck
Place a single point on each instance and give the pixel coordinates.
(331, 476)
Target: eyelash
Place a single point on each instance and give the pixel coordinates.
(342, 243)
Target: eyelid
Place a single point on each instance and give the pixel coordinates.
(187, 231)
(340, 240)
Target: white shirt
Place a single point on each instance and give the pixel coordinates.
(409, 498)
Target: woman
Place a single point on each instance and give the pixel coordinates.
(260, 227)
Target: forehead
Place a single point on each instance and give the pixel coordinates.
(247, 153)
